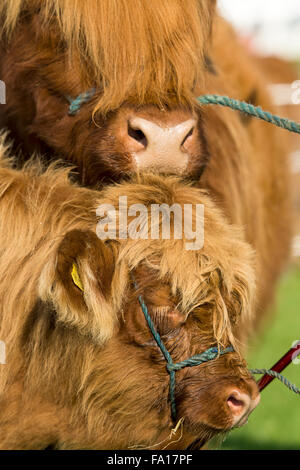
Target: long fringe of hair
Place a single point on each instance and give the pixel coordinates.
(149, 51)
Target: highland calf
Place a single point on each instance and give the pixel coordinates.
(82, 368)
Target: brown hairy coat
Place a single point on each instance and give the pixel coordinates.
(241, 162)
(80, 366)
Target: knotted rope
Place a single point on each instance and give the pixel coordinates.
(242, 106)
(208, 355)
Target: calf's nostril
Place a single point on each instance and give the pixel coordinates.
(235, 405)
(138, 135)
(238, 403)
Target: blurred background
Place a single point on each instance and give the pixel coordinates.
(271, 29)
(269, 26)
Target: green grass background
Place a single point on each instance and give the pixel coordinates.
(275, 423)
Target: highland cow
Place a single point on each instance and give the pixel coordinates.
(147, 62)
(82, 368)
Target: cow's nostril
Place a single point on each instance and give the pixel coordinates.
(138, 135)
(166, 146)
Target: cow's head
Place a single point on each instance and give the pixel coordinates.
(146, 60)
(196, 299)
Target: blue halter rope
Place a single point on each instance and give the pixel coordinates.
(76, 103)
(242, 106)
(208, 355)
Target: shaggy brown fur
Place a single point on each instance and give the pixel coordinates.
(153, 68)
(83, 370)
(244, 163)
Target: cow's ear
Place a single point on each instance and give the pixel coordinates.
(78, 283)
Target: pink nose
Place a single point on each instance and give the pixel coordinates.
(240, 406)
(162, 147)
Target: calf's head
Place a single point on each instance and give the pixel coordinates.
(195, 299)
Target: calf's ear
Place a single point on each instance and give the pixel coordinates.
(78, 282)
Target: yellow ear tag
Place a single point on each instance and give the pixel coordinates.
(75, 277)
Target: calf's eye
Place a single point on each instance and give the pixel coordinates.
(167, 318)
